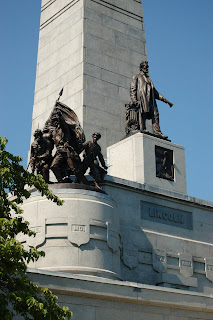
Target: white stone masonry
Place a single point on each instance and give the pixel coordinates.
(92, 49)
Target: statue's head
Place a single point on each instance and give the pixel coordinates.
(144, 66)
(96, 136)
(38, 134)
(55, 118)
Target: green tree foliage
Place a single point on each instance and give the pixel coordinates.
(19, 295)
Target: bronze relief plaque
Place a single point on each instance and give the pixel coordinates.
(164, 163)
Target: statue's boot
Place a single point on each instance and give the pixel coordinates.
(77, 172)
(67, 180)
(57, 173)
(143, 127)
(46, 175)
(156, 128)
(80, 177)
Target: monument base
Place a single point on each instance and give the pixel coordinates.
(97, 298)
(141, 158)
(135, 232)
(166, 236)
(158, 242)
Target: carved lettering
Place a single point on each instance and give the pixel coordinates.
(78, 228)
(161, 258)
(209, 267)
(181, 218)
(186, 263)
(161, 214)
(36, 229)
(166, 215)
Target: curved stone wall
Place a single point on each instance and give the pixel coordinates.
(82, 236)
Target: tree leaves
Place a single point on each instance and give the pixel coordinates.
(19, 295)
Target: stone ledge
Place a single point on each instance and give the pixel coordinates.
(177, 280)
(115, 290)
(122, 183)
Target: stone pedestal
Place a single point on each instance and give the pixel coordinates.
(134, 159)
(82, 236)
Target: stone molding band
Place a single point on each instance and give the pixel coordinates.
(73, 2)
(160, 260)
(58, 14)
(83, 270)
(46, 228)
(120, 10)
(47, 4)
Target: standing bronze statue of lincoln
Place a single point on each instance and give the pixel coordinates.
(143, 97)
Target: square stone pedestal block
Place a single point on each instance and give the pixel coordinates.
(136, 159)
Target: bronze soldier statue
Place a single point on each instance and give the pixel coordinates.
(143, 99)
(41, 155)
(65, 153)
(63, 131)
(92, 156)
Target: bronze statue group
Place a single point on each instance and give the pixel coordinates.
(62, 132)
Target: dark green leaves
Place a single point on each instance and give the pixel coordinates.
(17, 292)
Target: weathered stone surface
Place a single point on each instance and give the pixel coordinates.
(181, 254)
(133, 159)
(159, 260)
(186, 265)
(172, 279)
(130, 255)
(93, 48)
(82, 236)
(97, 298)
(169, 216)
(78, 231)
(209, 269)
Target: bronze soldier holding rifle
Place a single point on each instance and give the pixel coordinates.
(41, 155)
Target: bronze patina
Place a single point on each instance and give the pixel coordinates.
(41, 155)
(93, 158)
(63, 133)
(143, 104)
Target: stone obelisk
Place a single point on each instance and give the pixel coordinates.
(91, 48)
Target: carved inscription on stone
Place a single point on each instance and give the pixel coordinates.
(78, 228)
(130, 255)
(209, 269)
(186, 265)
(39, 227)
(166, 215)
(78, 231)
(159, 260)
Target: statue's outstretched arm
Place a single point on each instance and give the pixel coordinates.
(101, 159)
(160, 97)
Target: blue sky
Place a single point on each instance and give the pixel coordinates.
(179, 37)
